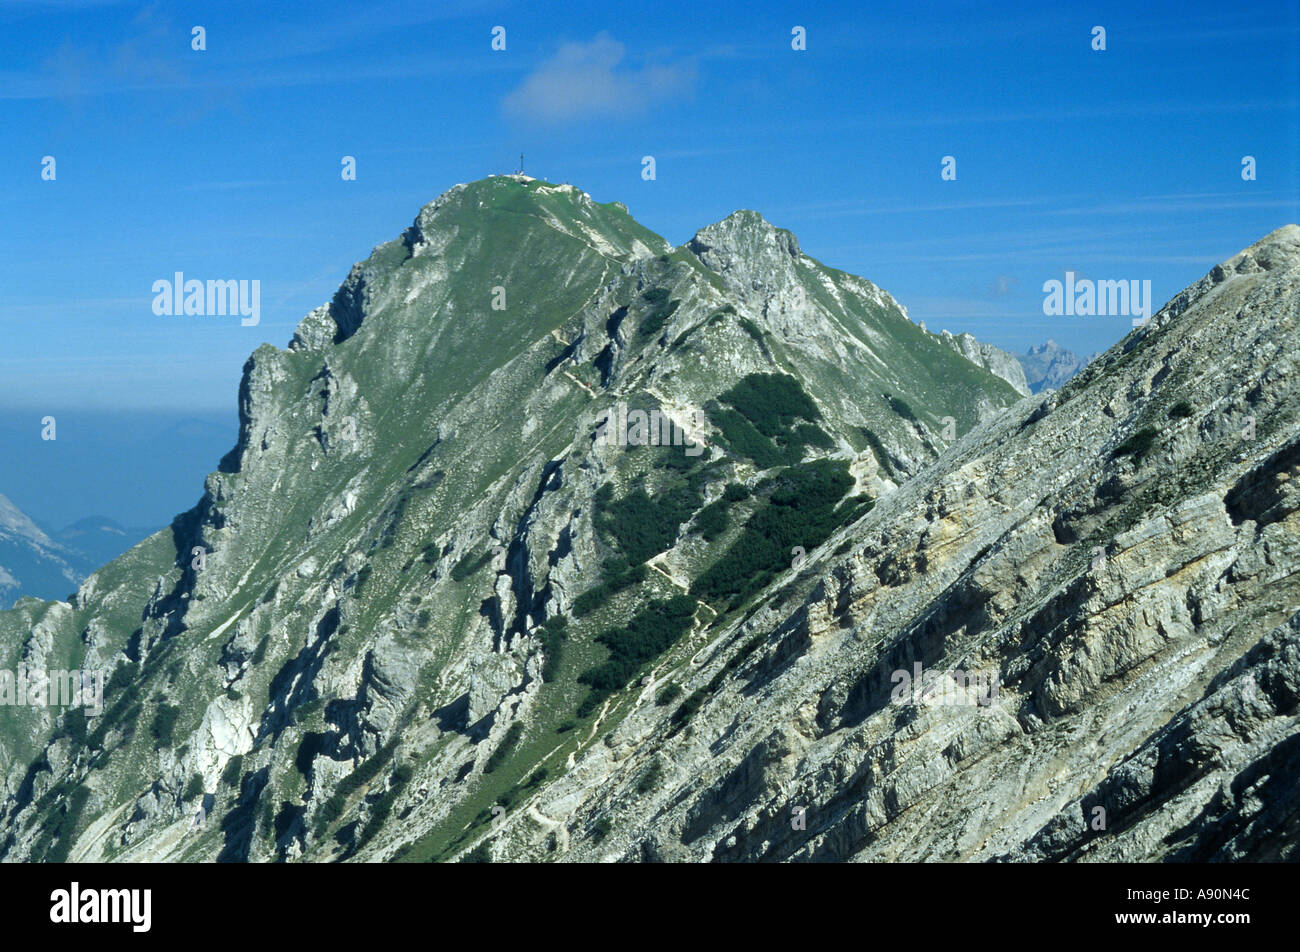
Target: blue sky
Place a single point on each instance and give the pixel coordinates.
(1124, 163)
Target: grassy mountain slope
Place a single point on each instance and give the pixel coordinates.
(423, 583)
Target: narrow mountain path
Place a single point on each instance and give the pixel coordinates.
(666, 575)
(216, 632)
(596, 724)
(650, 686)
(591, 393)
(682, 585)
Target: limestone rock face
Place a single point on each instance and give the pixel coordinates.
(856, 599)
(1136, 599)
(990, 358)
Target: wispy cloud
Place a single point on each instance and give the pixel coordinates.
(862, 206)
(150, 52)
(589, 80)
(234, 186)
(1193, 203)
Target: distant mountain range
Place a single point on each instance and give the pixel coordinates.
(50, 565)
(1044, 367)
(1048, 366)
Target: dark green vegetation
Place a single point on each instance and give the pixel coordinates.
(552, 635)
(384, 807)
(900, 406)
(55, 842)
(688, 707)
(770, 419)
(642, 525)
(469, 565)
(619, 576)
(538, 778)
(657, 314)
(879, 452)
(230, 774)
(1139, 444)
(735, 492)
(801, 508)
(163, 727)
(649, 633)
(713, 520)
(669, 694)
(334, 806)
(651, 778)
(505, 748)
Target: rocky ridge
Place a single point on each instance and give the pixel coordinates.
(424, 584)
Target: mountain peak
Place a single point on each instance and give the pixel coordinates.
(15, 520)
(1048, 366)
(514, 222)
(1279, 247)
(1279, 250)
(744, 233)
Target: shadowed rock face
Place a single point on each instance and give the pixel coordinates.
(1139, 606)
(426, 583)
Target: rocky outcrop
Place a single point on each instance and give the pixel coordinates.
(1138, 613)
(428, 608)
(992, 359)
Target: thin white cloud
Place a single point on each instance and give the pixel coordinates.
(589, 80)
(1160, 204)
(855, 207)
